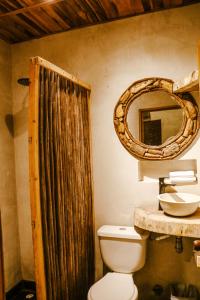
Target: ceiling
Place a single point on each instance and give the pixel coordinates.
(23, 20)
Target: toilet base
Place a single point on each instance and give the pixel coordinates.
(114, 286)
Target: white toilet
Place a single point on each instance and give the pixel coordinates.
(123, 250)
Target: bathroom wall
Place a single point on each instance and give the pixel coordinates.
(20, 117)
(110, 57)
(8, 204)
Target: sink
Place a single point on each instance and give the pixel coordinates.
(179, 204)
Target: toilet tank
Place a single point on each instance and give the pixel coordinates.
(123, 249)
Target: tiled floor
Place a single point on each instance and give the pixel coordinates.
(24, 294)
(23, 290)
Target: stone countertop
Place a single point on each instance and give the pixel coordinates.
(157, 221)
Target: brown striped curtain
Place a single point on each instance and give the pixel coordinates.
(65, 187)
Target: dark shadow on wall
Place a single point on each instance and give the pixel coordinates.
(17, 124)
(10, 124)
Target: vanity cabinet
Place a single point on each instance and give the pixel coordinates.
(156, 221)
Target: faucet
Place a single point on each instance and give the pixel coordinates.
(163, 184)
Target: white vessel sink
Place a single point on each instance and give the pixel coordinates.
(179, 204)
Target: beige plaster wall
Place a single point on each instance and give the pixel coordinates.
(110, 57)
(20, 117)
(8, 202)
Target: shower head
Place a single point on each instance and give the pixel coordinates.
(24, 81)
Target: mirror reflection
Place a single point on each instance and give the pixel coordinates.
(154, 117)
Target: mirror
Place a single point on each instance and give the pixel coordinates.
(154, 117)
(154, 123)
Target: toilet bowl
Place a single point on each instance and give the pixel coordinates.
(123, 250)
(114, 286)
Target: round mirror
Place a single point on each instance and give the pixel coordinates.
(154, 123)
(154, 117)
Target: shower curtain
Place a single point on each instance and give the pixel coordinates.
(65, 188)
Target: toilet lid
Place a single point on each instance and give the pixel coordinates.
(113, 286)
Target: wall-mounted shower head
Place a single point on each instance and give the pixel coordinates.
(24, 81)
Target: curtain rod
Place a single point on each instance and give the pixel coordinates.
(46, 64)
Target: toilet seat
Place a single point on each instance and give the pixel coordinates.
(114, 286)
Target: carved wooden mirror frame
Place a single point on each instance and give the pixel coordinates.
(174, 145)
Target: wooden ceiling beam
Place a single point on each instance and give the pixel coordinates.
(6, 36)
(55, 15)
(109, 9)
(60, 11)
(25, 24)
(157, 4)
(137, 7)
(13, 30)
(177, 2)
(172, 3)
(34, 17)
(96, 10)
(72, 11)
(123, 8)
(101, 8)
(22, 20)
(5, 7)
(146, 5)
(30, 7)
(151, 3)
(13, 5)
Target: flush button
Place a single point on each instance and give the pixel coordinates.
(30, 296)
(122, 228)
